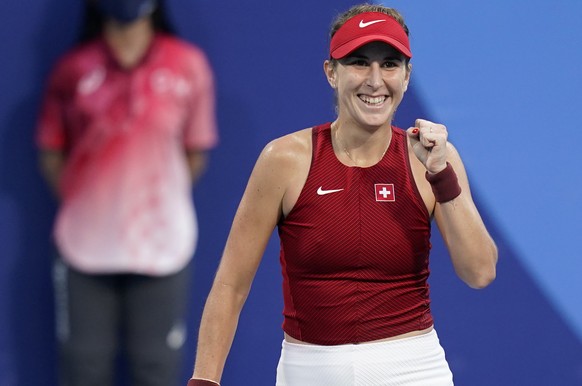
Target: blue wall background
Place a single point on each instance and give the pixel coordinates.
(503, 76)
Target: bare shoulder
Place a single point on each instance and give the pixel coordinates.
(287, 160)
(287, 155)
(292, 147)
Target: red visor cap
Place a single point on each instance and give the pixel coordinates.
(365, 28)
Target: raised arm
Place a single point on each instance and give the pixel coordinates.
(472, 250)
(256, 217)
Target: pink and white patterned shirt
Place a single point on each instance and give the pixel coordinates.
(126, 193)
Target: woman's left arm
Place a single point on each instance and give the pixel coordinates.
(472, 250)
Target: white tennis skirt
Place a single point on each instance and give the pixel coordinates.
(412, 361)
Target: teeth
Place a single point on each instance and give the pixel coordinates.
(372, 100)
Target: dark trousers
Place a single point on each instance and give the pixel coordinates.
(101, 316)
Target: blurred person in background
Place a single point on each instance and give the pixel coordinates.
(126, 123)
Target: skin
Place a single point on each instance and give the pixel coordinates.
(375, 72)
(129, 43)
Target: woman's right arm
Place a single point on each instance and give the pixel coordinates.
(256, 217)
(51, 135)
(51, 163)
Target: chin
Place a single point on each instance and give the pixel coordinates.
(377, 120)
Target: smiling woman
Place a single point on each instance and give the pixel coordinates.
(353, 202)
(384, 73)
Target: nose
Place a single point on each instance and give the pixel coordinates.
(375, 75)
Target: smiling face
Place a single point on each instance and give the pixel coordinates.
(370, 83)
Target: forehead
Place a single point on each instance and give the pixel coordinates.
(377, 49)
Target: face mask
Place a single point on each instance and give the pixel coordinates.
(126, 11)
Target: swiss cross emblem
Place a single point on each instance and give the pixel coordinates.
(384, 192)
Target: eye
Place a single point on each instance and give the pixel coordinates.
(391, 64)
(360, 62)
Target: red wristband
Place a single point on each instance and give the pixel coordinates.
(444, 184)
(202, 382)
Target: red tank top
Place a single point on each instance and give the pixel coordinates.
(354, 249)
